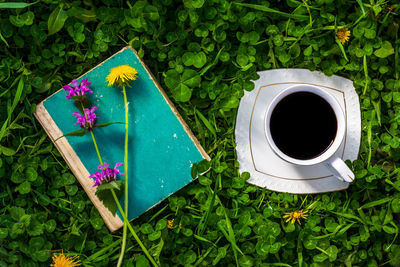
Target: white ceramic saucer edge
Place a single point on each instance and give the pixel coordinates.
(296, 76)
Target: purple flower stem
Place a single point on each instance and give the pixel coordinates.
(94, 139)
(96, 147)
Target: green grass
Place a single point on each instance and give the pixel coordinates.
(205, 54)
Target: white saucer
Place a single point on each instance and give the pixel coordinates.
(254, 153)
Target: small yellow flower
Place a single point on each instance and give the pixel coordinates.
(343, 35)
(64, 261)
(296, 215)
(121, 75)
(170, 223)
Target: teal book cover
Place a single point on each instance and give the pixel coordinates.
(162, 148)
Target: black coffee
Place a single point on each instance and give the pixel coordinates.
(303, 125)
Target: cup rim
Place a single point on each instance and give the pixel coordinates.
(337, 109)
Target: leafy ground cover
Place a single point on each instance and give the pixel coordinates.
(205, 54)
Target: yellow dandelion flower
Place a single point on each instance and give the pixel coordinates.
(296, 215)
(343, 35)
(61, 260)
(170, 223)
(121, 76)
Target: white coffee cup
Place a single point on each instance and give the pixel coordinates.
(335, 164)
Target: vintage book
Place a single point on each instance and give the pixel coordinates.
(162, 148)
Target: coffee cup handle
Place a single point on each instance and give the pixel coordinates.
(337, 166)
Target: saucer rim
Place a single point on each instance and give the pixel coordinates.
(296, 76)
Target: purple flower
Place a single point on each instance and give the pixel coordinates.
(88, 120)
(106, 175)
(76, 91)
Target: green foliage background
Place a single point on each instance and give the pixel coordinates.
(205, 54)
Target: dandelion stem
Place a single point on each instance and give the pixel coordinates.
(123, 213)
(132, 230)
(126, 151)
(126, 222)
(121, 256)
